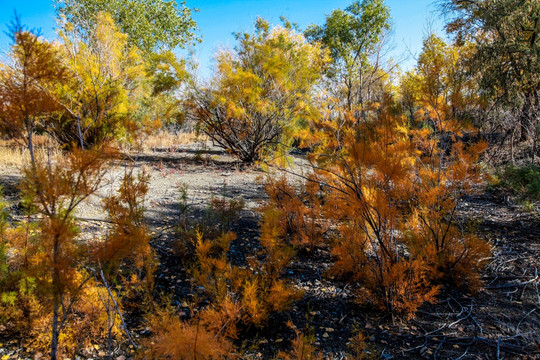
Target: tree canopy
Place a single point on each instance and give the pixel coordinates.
(150, 25)
(352, 36)
(261, 91)
(506, 34)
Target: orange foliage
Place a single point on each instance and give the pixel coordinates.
(445, 175)
(299, 214)
(302, 347)
(176, 339)
(447, 167)
(239, 295)
(365, 169)
(392, 193)
(125, 255)
(358, 346)
(25, 84)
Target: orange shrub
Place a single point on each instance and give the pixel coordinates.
(239, 295)
(302, 347)
(176, 339)
(299, 212)
(392, 193)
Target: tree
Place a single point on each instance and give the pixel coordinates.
(440, 85)
(352, 36)
(152, 26)
(260, 92)
(107, 82)
(26, 82)
(55, 191)
(506, 34)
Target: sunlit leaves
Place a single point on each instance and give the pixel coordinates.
(106, 84)
(152, 26)
(26, 80)
(260, 92)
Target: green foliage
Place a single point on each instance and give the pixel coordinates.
(523, 181)
(506, 34)
(152, 26)
(354, 35)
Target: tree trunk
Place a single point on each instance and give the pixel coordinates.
(56, 302)
(30, 133)
(525, 120)
(79, 133)
(54, 340)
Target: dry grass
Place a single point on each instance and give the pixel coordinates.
(15, 153)
(164, 140)
(161, 140)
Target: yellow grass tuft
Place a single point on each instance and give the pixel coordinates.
(15, 153)
(168, 140)
(163, 140)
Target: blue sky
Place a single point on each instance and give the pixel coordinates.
(217, 19)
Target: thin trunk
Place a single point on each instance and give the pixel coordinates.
(30, 132)
(110, 324)
(117, 308)
(525, 120)
(535, 145)
(56, 302)
(79, 133)
(54, 341)
(512, 147)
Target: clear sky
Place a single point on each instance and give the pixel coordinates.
(217, 19)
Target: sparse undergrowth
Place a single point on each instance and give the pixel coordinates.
(521, 182)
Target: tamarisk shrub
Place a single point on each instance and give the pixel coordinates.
(124, 260)
(299, 212)
(240, 294)
(391, 193)
(63, 291)
(302, 346)
(174, 338)
(260, 93)
(447, 167)
(56, 258)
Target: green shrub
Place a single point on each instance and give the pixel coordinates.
(522, 181)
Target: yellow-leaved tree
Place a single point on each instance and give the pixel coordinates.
(107, 80)
(260, 93)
